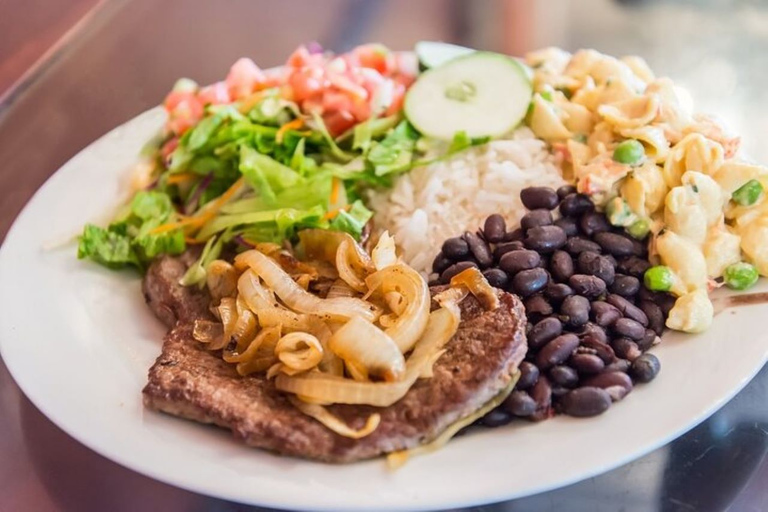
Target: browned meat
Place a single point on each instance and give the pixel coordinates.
(188, 381)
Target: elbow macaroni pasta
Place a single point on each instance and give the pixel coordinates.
(682, 188)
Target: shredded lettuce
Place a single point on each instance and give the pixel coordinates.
(394, 154)
(352, 221)
(198, 271)
(264, 174)
(129, 241)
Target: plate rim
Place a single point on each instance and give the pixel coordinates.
(138, 465)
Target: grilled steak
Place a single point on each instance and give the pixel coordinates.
(191, 382)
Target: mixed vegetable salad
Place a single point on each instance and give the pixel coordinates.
(265, 153)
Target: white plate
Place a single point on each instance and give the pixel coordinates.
(78, 339)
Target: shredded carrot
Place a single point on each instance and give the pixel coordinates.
(251, 101)
(333, 213)
(335, 190)
(191, 241)
(181, 177)
(203, 216)
(292, 125)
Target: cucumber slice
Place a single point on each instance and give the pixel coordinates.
(482, 94)
(432, 54)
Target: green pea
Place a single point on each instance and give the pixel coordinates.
(740, 276)
(659, 278)
(639, 229)
(748, 194)
(630, 152)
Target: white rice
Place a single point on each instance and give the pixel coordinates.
(444, 199)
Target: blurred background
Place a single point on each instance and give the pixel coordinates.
(70, 70)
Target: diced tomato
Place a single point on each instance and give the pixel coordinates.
(214, 94)
(176, 97)
(338, 122)
(333, 100)
(398, 95)
(407, 66)
(302, 57)
(374, 56)
(306, 82)
(244, 78)
(185, 114)
(337, 65)
(169, 148)
(346, 85)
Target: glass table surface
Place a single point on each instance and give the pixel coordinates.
(128, 53)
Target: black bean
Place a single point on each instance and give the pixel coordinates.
(479, 249)
(604, 314)
(619, 365)
(496, 418)
(543, 332)
(633, 266)
(557, 292)
(645, 368)
(519, 403)
(665, 301)
(536, 306)
(441, 262)
(611, 259)
(503, 248)
(539, 197)
(542, 395)
(617, 384)
(629, 328)
(627, 309)
(649, 339)
(545, 239)
(536, 218)
(616, 244)
(593, 264)
(569, 225)
(565, 191)
(600, 349)
(626, 286)
(574, 310)
(454, 269)
(496, 277)
(575, 205)
(639, 248)
(586, 364)
(557, 351)
(515, 261)
(593, 332)
(588, 286)
(528, 282)
(625, 348)
(655, 315)
(514, 235)
(529, 374)
(495, 228)
(455, 248)
(563, 376)
(586, 401)
(561, 266)
(576, 245)
(593, 222)
(558, 391)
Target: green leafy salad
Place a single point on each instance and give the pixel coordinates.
(263, 154)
